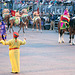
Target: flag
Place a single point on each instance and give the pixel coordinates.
(38, 10)
(64, 18)
(12, 12)
(64, 21)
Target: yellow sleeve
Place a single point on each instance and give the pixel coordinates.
(22, 42)
(5, 42)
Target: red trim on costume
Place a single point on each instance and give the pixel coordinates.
(64, 18)
(13, 48)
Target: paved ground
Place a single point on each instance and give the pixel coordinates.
(42, 55)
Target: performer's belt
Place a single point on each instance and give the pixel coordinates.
(13, 48)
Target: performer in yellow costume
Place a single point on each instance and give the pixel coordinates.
(14, 51)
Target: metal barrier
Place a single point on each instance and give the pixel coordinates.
(57, 10)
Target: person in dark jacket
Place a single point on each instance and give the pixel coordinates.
(52, 22)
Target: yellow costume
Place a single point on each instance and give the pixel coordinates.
(14, 53)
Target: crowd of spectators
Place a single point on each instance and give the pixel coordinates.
(44, 2)
(57, 2)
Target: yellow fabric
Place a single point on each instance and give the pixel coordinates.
(13, 44)
(14, 54)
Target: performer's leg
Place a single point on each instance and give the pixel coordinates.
(26, 24)
(33, 25)
(19, 29)
(3, 37)
(20, 26)
(23, 28)
(51, 26)
(40, 23)
(15, 60)
(11, 22)
(12, 29)
(37, 25)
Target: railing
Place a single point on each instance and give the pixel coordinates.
(57, 10)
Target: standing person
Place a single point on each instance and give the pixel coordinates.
(2, 30)
(36, 20)
(25, 14)
(14, 51)
(66, 12)
(52, 22)
(64, 19)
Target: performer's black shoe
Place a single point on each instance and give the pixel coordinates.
(14, 72)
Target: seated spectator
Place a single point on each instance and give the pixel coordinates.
(67, 2)
(59, 2)
(53, 2)
(46, 2)
(23, 1)
(41, 1)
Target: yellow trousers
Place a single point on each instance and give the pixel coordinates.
(14, 56)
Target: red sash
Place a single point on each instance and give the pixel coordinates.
(13, 48)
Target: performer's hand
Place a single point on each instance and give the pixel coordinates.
(24, 38)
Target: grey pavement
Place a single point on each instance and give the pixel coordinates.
(42, 54)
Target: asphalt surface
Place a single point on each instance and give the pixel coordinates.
(42, 54)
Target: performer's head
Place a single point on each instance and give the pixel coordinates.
(66, 8)
(15, 35)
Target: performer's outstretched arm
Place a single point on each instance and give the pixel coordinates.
(23, 42)
(5, 42)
